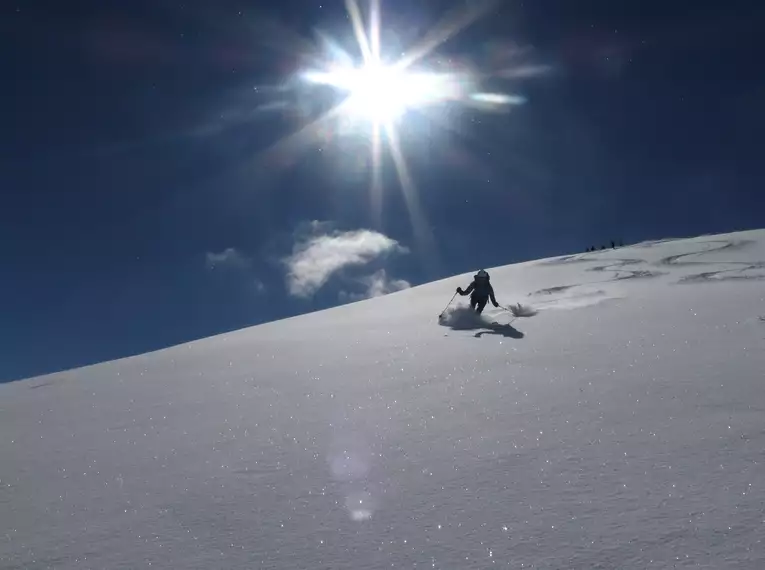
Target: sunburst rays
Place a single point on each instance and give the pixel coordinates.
(376, 95)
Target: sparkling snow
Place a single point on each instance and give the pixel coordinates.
(620, 427)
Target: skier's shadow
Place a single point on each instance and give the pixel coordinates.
(465, 319)
(508, 331)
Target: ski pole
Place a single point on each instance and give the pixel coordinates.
(447, 305)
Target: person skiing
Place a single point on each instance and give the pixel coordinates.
(480, 291)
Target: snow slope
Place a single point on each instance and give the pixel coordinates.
(623, 426)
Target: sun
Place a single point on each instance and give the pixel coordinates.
(379, 92)
(383, 93)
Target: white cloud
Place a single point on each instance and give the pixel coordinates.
(239, 266)
(378, 284)
(229, 257)
(259, 286)
(316, 259)
(375, 285)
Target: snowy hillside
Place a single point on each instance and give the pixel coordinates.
(621, 427)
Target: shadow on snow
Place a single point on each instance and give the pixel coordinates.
(465, 319)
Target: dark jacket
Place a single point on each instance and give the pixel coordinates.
(480, 288)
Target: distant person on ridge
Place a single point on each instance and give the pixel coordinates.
(480, 291)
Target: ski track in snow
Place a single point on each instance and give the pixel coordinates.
(618, 267)
(713, 246)
(627, 434)
(742, 270)
(737, 274)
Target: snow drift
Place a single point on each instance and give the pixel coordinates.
(623, 426)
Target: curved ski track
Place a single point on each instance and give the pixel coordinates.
(741, 272)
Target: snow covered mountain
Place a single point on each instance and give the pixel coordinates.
(622, 426)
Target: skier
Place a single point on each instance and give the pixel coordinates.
(480, 291)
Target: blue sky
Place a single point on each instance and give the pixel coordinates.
(151, 193)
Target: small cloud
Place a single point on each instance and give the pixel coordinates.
(315, 259)
(229, 257)
(375, 285)
(259, 286)
(378, 284)
(233, 266)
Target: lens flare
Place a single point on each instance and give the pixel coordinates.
(376, 96)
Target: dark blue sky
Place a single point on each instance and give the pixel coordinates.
(140, 206)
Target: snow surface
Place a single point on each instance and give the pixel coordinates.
(623, 426)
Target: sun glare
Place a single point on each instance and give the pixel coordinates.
(377, 95)
(383, 93)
